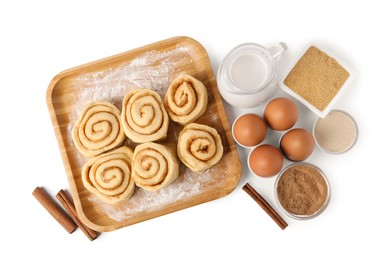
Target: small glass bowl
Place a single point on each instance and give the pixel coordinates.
(296, 216)
(349, 147)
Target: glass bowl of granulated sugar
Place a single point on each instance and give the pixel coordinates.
(336, 133)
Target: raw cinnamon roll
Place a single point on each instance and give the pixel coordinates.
(199, 147)
(186, 99)
(98, 129)
(155, 166)
(108, 175)
(144, 117)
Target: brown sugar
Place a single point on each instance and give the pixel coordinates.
(317, 78)
(302, 190)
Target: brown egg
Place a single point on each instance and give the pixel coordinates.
(281, 114)
(265, 160)
(249, 130)
(297, 144)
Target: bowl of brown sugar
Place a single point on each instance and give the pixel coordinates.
(317, 79)
(302, 191)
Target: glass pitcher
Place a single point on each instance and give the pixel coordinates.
(246, 77)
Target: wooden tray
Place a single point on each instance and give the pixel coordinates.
(152, 66)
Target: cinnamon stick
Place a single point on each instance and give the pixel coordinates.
(67, 202)
(265, 206)
(54, 209)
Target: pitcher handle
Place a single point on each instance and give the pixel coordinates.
(277, 50)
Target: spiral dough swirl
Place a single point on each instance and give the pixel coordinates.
(108, 176)
(144, 117)
(155, 166)
(98, 129)
(199, 147)
(186, 99)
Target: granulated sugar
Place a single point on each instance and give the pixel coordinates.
(335, 133)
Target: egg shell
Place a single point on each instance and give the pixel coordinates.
(249, 130)
(265, 160)
(297, 144)
(281, 114)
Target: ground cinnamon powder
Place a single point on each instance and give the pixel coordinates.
(302, 190)
(317, 78)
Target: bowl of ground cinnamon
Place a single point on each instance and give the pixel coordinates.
(302, 191)
(317, 79)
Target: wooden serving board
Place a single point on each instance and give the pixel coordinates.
(153, 66)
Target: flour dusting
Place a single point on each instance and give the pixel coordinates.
(152, 70)
(186, 186)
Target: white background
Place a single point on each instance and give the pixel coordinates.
(39, 39)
